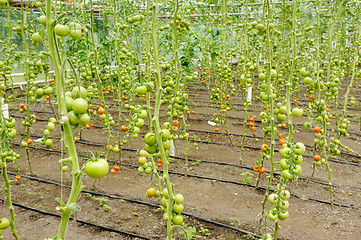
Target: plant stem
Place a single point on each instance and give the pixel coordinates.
(64, 120)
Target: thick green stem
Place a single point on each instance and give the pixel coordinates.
(64, 120)
(157, 125)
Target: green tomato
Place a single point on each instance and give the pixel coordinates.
(74, 119)
(166, 144)
(165, 193)
(308, 81)
(286, 174)
(140, 169)
(273, 198)
(48, 90)
(79, 106)
(142, 114)
(283, 164)
(4, 223)
(136, 130)
(148, 170)
(36, 37)
(75, 33)
(61, 30)
(150, 86)
(177, 219)
(285, 195)
(263, 115)
(283, 215)
(262, 76)
(97, 168)
(307, 125)
(141, 90)
(10, 122)
(303, 72)
(284, 205)
(150, 139)
(299, 148)
(75, 92)
(272, 215)
(297, 159)
(68, 103)
(64, 168)
(42, 20)
(178, 198)
(150, 148)
(297, 112)
(178, 208)
(39, 92)
(283, 109)
(85, 118)
(164, 201)
(297, 169)
(46, 133)
(24, 144)
(165, 134)
(281, 117)
(50, 126)
(144, 153)
(142, 160)
(140, 122)
(11, 133)
(286, 152)
(48, 143)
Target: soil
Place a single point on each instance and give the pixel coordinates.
(219, 193)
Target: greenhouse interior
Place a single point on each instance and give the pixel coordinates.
(180, 119)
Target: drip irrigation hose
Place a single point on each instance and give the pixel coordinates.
(80, 221)
(208, 178)
(132, 201)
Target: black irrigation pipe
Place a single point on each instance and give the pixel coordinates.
(132, 201)
(78, 220)
(209, 178)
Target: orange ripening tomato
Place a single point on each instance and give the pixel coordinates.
(317, 129)
(264, 147)
(101, 110)
(29, 141)
(175, 123)
(282, 141)
(317, 158)
(216, 129)
(17, 177)
(255, 168)
(262, 170)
